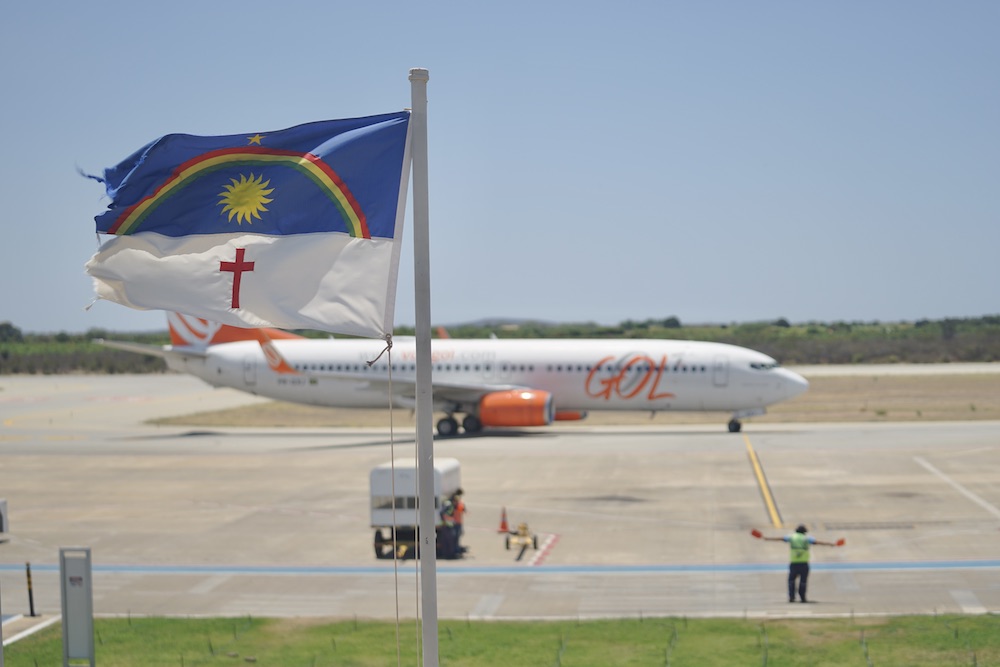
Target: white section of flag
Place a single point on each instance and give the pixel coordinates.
(324, 281)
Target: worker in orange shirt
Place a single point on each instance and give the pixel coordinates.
(459, 516)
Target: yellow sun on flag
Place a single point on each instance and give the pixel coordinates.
(244, 199)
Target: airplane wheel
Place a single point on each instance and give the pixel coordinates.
(471, 424)
(735, 426)
(447, 427)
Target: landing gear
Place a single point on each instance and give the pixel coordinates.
(448, 426)
(734, 422)
(471, 424)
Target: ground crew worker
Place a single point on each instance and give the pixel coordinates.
(459, 516)
(798, 566)
(449, 537)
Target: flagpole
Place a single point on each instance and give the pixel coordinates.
(425, 395)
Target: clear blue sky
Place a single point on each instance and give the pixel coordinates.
(717, 161)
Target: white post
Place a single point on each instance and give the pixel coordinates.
(425, 394)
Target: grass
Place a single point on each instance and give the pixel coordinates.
(176, 642)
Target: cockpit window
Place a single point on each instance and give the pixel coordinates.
(757, 366)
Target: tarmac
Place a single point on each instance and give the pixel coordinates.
(630, 521)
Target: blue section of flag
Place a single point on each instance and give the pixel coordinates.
(365, 154)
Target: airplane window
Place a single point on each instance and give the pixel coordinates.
(763, 366)
(477, 367)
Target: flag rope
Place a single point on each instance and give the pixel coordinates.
(395, 544)
(392, 459)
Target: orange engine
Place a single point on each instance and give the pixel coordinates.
(570, 415)
(516, 407)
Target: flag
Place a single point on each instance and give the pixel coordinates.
(295, 229)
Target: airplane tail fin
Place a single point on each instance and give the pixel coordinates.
(277, 362)
(187, 331)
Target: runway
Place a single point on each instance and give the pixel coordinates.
(632, 521)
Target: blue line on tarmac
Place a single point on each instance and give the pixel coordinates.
(521, 569)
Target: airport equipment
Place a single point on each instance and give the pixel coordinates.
(522, 537)
(394, 504)
(77, 590)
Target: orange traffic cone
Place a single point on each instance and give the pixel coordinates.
(504, 528)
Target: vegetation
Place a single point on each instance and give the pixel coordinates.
(48, 354)
(903, 640)
(924, 341)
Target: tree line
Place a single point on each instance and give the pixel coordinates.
(924, 341)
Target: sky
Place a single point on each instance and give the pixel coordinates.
(719, 161)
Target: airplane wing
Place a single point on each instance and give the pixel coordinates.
(461, 393)
(451, 392)
(443, 391)
(162, 351)
(137, 348)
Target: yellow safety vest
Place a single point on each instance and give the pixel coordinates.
(800, 547)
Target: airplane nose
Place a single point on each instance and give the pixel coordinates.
(793, 383)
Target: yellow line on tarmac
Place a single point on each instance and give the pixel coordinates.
(765, 489)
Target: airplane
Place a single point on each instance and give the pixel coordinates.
(488, 382)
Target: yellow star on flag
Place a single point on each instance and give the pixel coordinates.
(255, 139)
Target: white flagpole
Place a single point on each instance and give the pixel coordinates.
(425, 396)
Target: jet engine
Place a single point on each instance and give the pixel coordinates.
(570, 415)
(517, 407)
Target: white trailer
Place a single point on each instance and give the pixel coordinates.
(393, 491)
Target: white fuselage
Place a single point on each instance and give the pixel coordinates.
(583, 375)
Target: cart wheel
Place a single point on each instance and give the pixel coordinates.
(506, 543)
(534, 542)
